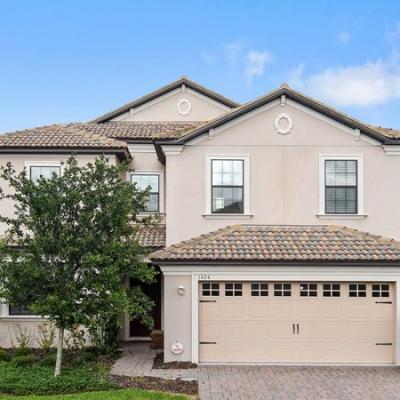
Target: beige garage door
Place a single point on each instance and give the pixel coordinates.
(302, 322)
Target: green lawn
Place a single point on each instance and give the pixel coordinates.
(128, 394)
(40, 380)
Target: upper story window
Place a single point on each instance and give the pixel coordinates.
(152, 181)
(227, 186)
(45, 171)
(341, 187)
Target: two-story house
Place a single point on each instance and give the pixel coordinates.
(280, 240)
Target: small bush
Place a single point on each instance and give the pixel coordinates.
(22, 361)
(4, 355)
(48, 361)
(22, 351)
(46, 333)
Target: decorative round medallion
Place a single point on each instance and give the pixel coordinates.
(177, 348)
(184, 107)
(283, 123)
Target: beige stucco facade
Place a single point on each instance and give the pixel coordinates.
(284, 175)
(182, 104)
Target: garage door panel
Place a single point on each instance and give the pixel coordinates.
(357, 310)
(234, 310)
(283, 309)
(382, 311)
(210, 331)
(382, 332)
(254, 328)
(259, 310)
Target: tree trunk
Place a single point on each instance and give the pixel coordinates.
(60, 345)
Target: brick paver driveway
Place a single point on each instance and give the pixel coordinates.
(295, 383)
(270, 383)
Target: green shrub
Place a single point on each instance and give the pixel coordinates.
(40, 380)
(22, 351)
(22, 361)
(4, 355)
(48, 361)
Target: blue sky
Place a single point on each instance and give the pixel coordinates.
(70, 60)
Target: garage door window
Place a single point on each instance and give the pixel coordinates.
(282, 289)
(210, 289)
(331, 290)
(233, 289)
(357, 290)
(308, 290)
(259, 289)
(380, 290)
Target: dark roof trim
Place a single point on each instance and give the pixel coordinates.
(163, 90)
(295, 96)
(122, 153)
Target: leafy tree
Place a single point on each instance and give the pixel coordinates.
(70, 246)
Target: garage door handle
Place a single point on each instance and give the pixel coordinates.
(294, 329)
(208, 342)
(298, 329)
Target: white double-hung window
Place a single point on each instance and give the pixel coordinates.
(227, 185)
(341, 185)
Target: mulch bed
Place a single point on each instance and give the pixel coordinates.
(158, 363)
(159, 384)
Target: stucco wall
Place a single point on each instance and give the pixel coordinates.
(19, 161)
(164, 108)
(284, 175)
(9, 328)
(177, 316)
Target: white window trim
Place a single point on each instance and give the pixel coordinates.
(246, 186)
(5, 314)
(360, 186)
(161, 206)
(29, 164)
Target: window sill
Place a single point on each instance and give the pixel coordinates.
(342, 216)
(227, 216)
(22, 318)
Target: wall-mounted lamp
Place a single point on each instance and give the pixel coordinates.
(181, 290)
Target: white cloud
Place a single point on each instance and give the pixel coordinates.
(372, 83)
(344, 37)
(255, 63)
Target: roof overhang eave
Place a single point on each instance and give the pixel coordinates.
(289, 263)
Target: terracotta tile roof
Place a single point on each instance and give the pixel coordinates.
(283, 243)
(389, 132)
(58, 136)
(151, 235)
(144, 130)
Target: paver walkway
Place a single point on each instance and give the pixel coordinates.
(271, 383)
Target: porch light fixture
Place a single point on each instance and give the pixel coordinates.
(181, 290)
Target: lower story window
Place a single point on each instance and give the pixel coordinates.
(380, 290)
(210, 289)
(357, 290)
(259, 289)
(233, 289)
(19, 310)
(308, 290)
(282, 289)
(331, 290)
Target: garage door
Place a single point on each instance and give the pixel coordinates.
(296, 322)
